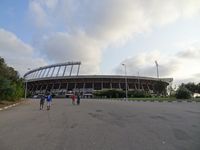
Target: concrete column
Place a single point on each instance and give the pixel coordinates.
(67, 87)
(93, 85)
(83, 88)
(59, 86)
(41, 88)
(46, 88)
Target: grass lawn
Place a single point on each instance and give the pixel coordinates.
(160, 99)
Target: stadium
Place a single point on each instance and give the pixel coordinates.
(63, 79)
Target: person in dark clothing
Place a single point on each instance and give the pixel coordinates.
(78, 99)
(42, 100)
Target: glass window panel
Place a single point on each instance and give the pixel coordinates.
(35, 76)
(74, 70)
(43, 73)
(47, 72)
(50, 72)
(68, 68)
(61, 71)
(55, 71)
(40, 74)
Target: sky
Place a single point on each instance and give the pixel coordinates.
(103, 35)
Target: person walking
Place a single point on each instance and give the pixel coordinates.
(78, 99)
(49, 100)
(73, 97)
(42, 100)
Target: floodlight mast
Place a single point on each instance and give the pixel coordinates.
(157, 68)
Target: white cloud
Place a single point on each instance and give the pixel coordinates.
(144, 63)
(90, 26)
(17, 53)
(190, 53)
(183, 67)
(38, 14)
(63, 47)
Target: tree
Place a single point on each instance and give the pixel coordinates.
(198, 88)
(191, 86)
(11, 86)
(183, 93)
(160, 88)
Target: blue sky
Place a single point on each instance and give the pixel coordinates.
(103, 35)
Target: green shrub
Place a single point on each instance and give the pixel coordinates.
(110, 94)
(139, 94)
(183, 93)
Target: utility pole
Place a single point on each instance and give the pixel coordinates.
(26, 80)
(138, 81)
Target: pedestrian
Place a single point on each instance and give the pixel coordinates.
(73, 97)
(42, 100)
(78, 99)
(49, 100)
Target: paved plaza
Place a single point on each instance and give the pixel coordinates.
(101, 125)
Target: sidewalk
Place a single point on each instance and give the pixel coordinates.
(6, 104)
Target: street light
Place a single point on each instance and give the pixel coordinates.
(157, 68)
(138, 81)
(125, 81)
(26, 85)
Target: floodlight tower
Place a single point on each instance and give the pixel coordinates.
(157, 68)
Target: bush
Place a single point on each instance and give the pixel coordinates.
(139, 94)
(110, 93)
(121, 94)
(183, 93)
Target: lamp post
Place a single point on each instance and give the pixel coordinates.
(26, 85)
(157, 68)
(125, 81)
(138, 81)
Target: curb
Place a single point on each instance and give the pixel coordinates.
(9, 106)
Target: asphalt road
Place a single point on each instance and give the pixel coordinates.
(101, 125)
